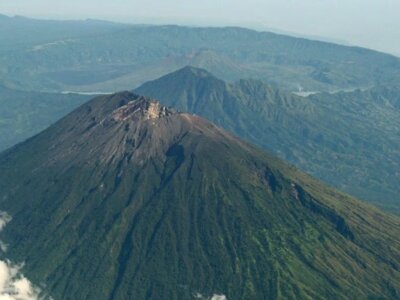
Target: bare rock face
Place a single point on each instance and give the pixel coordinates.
(149, 109)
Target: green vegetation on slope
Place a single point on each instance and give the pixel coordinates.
(131, 205)
(349, 139)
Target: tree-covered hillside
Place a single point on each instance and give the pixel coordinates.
(349, 139)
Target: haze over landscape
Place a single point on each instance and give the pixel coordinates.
(224, 150)
(367, 23)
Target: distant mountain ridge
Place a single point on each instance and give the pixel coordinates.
(129, 199)
(88, 56)
(347, 139)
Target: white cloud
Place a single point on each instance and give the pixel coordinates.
(214, 297)
(219, 297)
(13, 284)
(4, 219)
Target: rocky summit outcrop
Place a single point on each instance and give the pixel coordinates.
(148, 109)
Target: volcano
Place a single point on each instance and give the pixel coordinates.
(127, 199)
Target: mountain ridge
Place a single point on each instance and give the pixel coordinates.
(119, 57)
(323, 134)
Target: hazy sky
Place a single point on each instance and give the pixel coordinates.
(369, 23)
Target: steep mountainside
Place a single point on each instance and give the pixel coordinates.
(23, 114)
(131, 200)
(101, 56)
(349, 139)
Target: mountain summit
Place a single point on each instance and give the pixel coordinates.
(127, 199)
